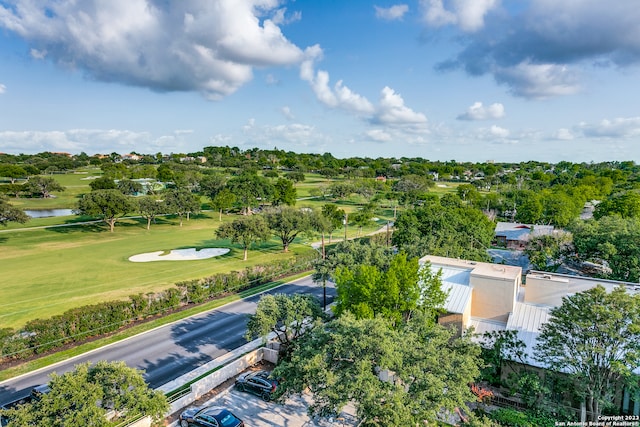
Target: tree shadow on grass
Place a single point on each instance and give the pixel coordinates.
(92, 227)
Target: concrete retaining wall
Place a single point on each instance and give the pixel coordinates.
(206, 384)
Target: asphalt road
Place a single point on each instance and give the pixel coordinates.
(170, 351)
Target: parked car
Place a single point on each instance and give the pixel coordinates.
(209, 416)
(259, 383)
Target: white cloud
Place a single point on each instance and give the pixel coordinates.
(90, 141)
(538, 81)
(491, 134)
(210, 47)
(220, 139)
(37, 54)
(251, 123)
(563, 134)
(621, 127)
(479, 112)
(499, 132)
(280, 17)
(350, 100)
(467, 14)
(285, 135)
(340, 96)
(379, 135)
(392, 111)
(529, 47)
(435, 13)
(286, 112)
(393, 13)
(3, 88)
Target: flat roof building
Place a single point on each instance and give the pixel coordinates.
(490, 297)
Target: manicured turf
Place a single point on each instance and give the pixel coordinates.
(75, 183)
(48, 271)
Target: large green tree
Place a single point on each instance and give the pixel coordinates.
(223, 200)
(343, 361)
(625, 204)
(211, 185)
(9, 213)
(245, 231)
(108, 205)
(150, 207)
(594, 336)
(41, 186)
(335, 217)
(13, 172)
(285, 315)
(84, 396)
(446, 229)
(104, 182)
(412, 188)
(612, 239)
(284, 193)
(395, 293)
(129, 187)
(182, 202)
(287, 223)
(548, 252)
(250, 190)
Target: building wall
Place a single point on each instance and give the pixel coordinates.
(545, 289)
(493, 297)
(451, 320)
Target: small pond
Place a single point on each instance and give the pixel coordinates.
(44, 213)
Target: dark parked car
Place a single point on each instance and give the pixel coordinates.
(259, 383)
(209, 416)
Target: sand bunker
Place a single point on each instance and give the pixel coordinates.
(179, 255)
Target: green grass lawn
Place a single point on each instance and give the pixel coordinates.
(47, 271)
(75, 183)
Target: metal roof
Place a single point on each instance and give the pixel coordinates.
(481, 326)
(527, 319)
(455, 281)
(459, 297)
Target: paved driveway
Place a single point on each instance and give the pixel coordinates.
(293, 413)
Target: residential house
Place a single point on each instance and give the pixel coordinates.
(513, 235)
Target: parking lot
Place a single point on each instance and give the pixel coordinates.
(293, 413)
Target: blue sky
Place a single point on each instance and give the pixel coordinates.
(468, 80)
